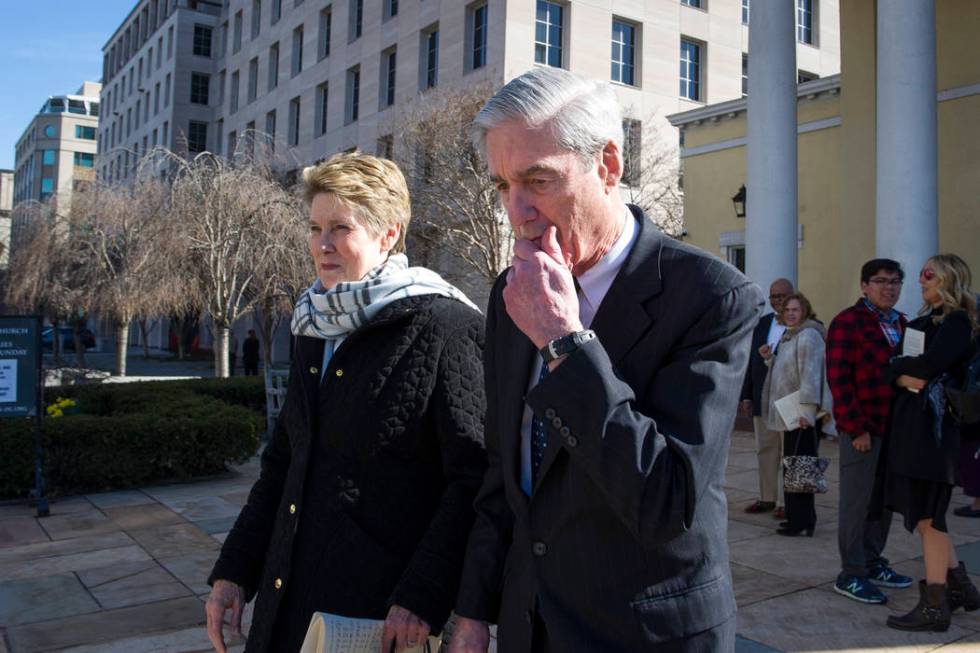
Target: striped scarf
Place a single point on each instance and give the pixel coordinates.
(337, 312)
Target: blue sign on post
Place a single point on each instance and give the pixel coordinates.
(21, 386)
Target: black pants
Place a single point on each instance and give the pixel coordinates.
(251, 367)
(801, 512)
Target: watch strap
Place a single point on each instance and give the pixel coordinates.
(565, 345)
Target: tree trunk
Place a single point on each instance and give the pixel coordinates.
(177, 326)
(222, 345)
(76, 333)
(122, 346)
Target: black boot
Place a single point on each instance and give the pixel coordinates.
(931, 614)
(960, 590)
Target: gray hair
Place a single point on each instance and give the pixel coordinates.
(583, 113)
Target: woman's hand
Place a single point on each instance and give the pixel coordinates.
(805, 423)
(765, 351)
(910, 382)
(469, 636)
(403, 630)
(225, 595)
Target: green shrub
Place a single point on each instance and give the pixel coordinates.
(126, 435)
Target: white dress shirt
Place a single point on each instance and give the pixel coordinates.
(594, 283)
(776, 331)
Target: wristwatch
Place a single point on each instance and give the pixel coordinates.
(565, 345)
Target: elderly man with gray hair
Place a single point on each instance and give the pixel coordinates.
(614, 362)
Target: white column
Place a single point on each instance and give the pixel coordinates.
(770, 224)
(906, 212)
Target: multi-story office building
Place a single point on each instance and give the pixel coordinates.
(57, 151)
(156, 76)
(6, 206)
(320, 76)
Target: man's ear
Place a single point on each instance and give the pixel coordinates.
(611, 165)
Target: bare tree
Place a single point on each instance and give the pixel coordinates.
(124, 227)
(223, 209)
(50, 278)
(651, 174)
(454, 202)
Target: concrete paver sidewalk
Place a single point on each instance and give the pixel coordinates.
(125, 572)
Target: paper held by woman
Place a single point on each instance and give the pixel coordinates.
(789, 410)
(330, 633)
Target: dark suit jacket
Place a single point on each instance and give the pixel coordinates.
(755, 375)
(622, 546)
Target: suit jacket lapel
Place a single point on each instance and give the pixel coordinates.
(622, 319)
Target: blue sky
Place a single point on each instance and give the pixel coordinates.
(49, 48)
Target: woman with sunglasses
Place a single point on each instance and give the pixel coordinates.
(923, 442)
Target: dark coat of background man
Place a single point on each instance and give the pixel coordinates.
(768, 443)
(601, 523)
(860, 341)
(250, 354)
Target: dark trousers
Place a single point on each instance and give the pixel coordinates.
(251, 367)
(860, 540)
(720, 639)
(801, 511)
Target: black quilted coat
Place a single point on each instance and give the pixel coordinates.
(365, 495)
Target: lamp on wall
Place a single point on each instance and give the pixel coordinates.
(738, 200)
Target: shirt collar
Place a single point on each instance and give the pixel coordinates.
(891, 316)
(595, 281)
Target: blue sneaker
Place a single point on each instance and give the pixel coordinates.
(859, 589)
(887, 577)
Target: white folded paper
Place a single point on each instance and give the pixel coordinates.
(789, 410)
(330, 633)
(914, 343)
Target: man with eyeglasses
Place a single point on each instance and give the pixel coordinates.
(768, 444)
(860, 341)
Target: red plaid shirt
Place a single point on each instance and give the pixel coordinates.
(857, 352)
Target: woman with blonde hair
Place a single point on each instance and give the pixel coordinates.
(364, 500)
(923, 442)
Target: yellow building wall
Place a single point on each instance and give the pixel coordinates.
(837, 165)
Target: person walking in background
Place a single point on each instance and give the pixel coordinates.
(768, 443)
(250, 354)
(797, 365)
(860, 341)
(923, 443)
(232, 354)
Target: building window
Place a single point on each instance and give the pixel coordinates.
(294, 117)
(297, 65)
(47, 157)
(323, 42)
(273, 66)
(745, 74)
(276, 12)
(623, 52)
(690, 70)
(222, 80)
(390, 9)
(322, 96)
(253, 79)
(200, 84)
(85, 132)
(156, 98)
(430, 57)
(352, 98)
(250, 135)
(270, 129)
(385, 147)
(166, 91)
(50, 131)
(803, 76)
(160, 52)
(170, 43)
(202, 41)
(87, 159)
(548, 28)
(745, 12)
(236, 43)
(47, 186)
(388, 67)
(233, 92)
(692, 3)
(166, 134)
(804, 21)
(197, 137)
(356, 20)
(223, 46)
(232, 144)
(477, 23)
(256, 18)
(632, 151)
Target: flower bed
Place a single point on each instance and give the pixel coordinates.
(124, 435)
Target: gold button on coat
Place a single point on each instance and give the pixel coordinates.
(340, 372)
(292, 509)
(313, 370)
(277, 583)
